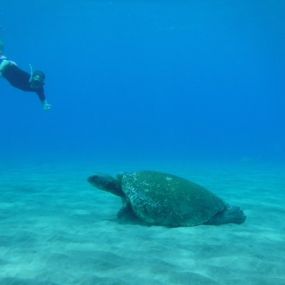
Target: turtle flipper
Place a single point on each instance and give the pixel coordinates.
(230, 215)
(127, 215)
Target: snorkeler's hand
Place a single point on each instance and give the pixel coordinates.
(46, 106)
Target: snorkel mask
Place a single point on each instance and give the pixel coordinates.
(37, 79)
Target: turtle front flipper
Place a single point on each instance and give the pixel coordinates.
(126, 214)
(107, 183)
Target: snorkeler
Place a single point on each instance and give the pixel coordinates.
(30, 82)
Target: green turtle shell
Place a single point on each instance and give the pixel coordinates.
(165, 199)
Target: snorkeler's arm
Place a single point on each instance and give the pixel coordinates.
(46, 105)
(42, 97)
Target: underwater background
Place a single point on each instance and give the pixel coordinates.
(195, 88)
(147, 79)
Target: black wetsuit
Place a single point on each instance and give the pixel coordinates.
(21, 80)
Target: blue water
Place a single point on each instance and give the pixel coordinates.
(146, 80)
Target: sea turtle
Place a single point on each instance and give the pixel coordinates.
(156, 198)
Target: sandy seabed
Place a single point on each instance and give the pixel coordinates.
(55, 229)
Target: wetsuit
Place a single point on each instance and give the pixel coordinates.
(21, 80)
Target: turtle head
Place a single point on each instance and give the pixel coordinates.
(106, 183)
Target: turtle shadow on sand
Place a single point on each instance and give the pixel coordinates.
(156, 198)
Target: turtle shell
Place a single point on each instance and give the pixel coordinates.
(168, 200)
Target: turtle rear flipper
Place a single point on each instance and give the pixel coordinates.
(230, 215)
